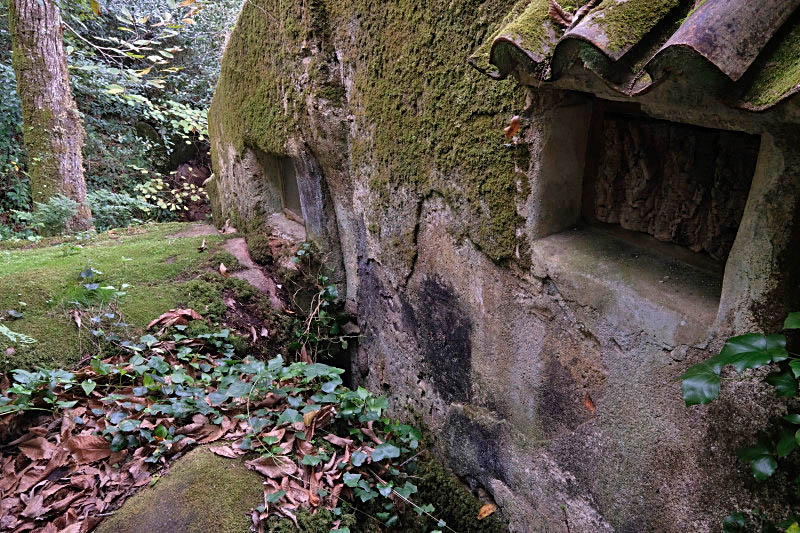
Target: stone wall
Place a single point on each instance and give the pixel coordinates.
(543, 357)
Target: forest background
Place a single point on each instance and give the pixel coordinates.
(142, 73)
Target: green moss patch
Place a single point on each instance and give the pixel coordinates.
(147, 259)
(778, 70)
(626, 23)
(227, 259)
(201, 493)
(260, 251)
(454, 502)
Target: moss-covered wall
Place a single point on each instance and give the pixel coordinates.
(421, 120)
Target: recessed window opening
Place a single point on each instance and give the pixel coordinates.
(290, 192)
(678, 183)
(281, 192)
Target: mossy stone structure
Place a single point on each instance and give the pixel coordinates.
(533, 301)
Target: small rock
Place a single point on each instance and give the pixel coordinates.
(679, 353)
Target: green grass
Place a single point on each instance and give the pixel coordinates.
(149, 259)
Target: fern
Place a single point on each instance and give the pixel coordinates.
(50, 218)
(116, 210)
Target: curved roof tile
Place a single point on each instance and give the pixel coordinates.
(634, 44)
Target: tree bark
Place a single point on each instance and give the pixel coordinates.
(53, 129)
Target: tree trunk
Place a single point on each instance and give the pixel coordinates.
(53, 129)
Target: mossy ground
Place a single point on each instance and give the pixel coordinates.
(148, 258)
(201, 493)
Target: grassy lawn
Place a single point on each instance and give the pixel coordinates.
(150, 259)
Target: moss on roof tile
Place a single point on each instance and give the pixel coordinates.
(779, 72)
(626, 23)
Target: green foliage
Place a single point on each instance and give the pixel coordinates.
(167, 202)
(116, 210)
(745, 353)
(228, 259)
(318, 327)
(757, 521)
(50, 218)
(14, 192)
(156, 387)
(142, 73)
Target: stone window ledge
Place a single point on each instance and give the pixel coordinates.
(633, 281)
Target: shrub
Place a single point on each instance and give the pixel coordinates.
(169, 202)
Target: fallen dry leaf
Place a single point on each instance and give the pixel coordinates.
(172, 317)
(486, 510)
(37, 448)
(513, 127)
(33, 507)
(223, 270)
(338, 441)
(304, 355)
(224, 451)
(77, 318)
(589, 403)
(308, 418)
(275, 466)
(88, 448)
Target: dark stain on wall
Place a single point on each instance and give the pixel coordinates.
(468, 438)
(443, 334)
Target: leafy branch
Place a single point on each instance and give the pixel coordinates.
(701, 385)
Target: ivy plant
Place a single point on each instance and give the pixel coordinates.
(701, 385)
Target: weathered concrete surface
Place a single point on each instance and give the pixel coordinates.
(546, 360)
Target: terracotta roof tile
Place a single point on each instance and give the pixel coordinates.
(750, 48)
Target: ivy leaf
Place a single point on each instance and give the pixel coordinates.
(384, 451)
(734, 522)
(291, 416)
(351, 480)
(275, 496)
(238, 389)
(88, 386)
(794, 364)
(358, 458)
(318, 369)
(331, 385)
(385, 489)
(792, 321)
(406, 490)
(762, 461)
(746, 351)
(311, 460)
(784, 383)
(793, 418)
(787, 443)
(776, 347)
(701, 383)
(129, 425)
